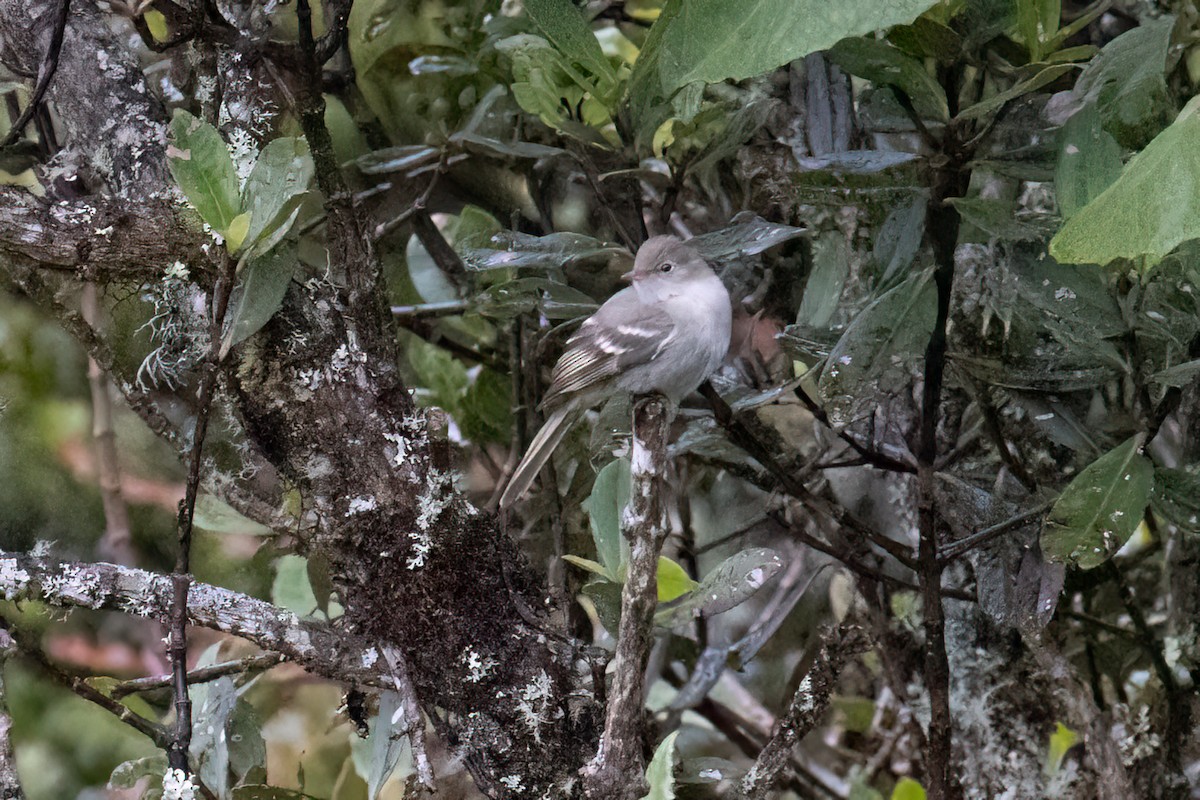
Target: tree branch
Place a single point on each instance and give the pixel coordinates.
(808, 705)
(317, 647)
(10, 784)
(616, 772)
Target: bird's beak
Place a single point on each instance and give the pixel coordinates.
(629, 277)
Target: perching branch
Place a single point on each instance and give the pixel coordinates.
(616, 773)
(46, 72)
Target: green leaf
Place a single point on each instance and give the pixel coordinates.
(1149, 210)
(713, 40)
(563, 25)
(604, 506)
(486, 408)
(276, 186)
(673, 580)
(130, 772)
(1177, 497)
(1089, 161)
(998, 218)
(1127, 81)
(1099, 510)
(879, 350)
(1062, 740)
(885, 65)
(235, 234)
(388, 743)
(823, 291)
(660, 774)
(258, 295)
(908, 789)
(857, 712)
(509, 249)
(730, 584)
(591, 566)
(1031, 84)
(748, 235)
(1179, 376)
(200, 163)
(213, 704)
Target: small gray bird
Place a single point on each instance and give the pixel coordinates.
(666, 332)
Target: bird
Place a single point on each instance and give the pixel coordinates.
(666, 332)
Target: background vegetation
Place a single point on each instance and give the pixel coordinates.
(932, 527)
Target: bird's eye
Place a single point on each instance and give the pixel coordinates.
(666, 267)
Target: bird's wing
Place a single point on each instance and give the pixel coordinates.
(623, 333)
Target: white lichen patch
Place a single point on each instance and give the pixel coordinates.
(13, 579)
(362, 504)
(177, 785)
(401, 445)
(369, 657)
(536, 704)
(478, 666)
(78, 584)
(422, 545)
(513, 782)
(433, 500)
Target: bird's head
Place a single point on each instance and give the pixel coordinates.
(664, 262)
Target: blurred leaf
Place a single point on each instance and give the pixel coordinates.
(884, 65)
(591, 566)
(201, 165)
(730, 584)
(215, 515)
(486, 408)
(258, 295)
(823, 291)
(263, 792)
(927, 38)
(878, 350)
(1062, 740)
(1149, 210)
(707, 770)
(291, 589)
(710, 41)
(899, 240)
(1179, 376)
(247, 750)
(509, 249)
(485, 145)
(604, 506)
(673, 580)
(1043, 77)
(427, 277)
(1089, 161)
(397, 159)
(235, 234)
(320, 580)
(1177, 497)
(858, 712)
(749, 235)
(660, 774)
(441, 374)
(606, 598)
(855, 162)
(275, 188)
(1127, 82)
(454, 66)
(1100, 509)
(1000, 219)
(908, 789)
(130, 772)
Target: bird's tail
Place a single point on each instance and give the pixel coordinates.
(552, 432)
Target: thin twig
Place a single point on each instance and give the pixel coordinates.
(45, 74)
(808, 706)
(116, 543)
(616, 771)
(177, 754)
(241, 666)
(413, 727)
(869, 455)
(448, 308)
(982, 537)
